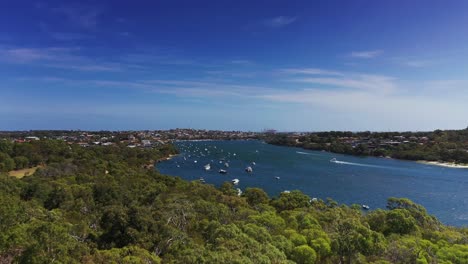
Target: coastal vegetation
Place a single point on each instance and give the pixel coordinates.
(447, 146)
(101, 204)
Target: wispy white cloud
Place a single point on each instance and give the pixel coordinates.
(102, 67)
(68, 36)
(279, 21)
(367, 82)
(417, 63)
(232, 74)
(367, 54)
(58, 57)
(241, 62)
(24, 55)
(310, 71)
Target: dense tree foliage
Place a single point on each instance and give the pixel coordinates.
(102, 205)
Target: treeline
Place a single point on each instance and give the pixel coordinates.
(47, 151)
(448, 145)
(99, 205)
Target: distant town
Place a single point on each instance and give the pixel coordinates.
(132, 139)
(438, 145)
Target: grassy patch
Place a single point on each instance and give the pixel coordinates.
(23, 172)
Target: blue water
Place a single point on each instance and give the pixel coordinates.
(359, 180)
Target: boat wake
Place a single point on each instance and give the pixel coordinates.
(305, 153)
(358, 164)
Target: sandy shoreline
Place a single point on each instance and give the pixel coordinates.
(171, 156)
(444, 164)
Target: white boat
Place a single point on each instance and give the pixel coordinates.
(286, 191)
(253, 163)
(235, 181)
(226, 165)
(222, 171)
(365, 207)
(239, 192)
(207, 167)
(195, 161)
(333, 160)
(277, 178)
(249, 169)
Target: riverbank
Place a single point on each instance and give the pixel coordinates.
(444, 164)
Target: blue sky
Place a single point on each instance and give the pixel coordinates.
(242, 65)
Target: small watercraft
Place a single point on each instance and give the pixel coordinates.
(207, 167)
(365, 207)
(222, 171)
(277, 178)
(333, 160)
(249, 169)
(226, 165)
(253, 163)
(239, 192)
(235, 181)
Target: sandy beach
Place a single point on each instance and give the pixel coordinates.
(444, 164)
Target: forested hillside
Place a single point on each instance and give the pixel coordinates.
(102, 204)
(438, 145)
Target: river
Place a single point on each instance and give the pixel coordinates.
(353, 180)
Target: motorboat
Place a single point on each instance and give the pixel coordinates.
(207, 167)
(222, 171)
(235, 181)
(249, 169)
(365, 207)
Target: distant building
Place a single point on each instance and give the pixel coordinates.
(270, 131)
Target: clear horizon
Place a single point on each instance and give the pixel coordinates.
(221, 65)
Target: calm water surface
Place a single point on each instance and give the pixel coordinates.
(368, 180)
